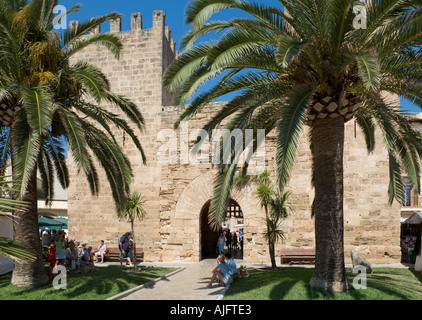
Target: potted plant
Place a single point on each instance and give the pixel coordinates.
(243, 272)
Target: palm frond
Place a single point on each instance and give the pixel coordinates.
(77, 142)
(290, 125)
(110, 41)
(73, 35)
(54, 147)
(368, 70)
(221, 193)
(39, 106)
(365, 122)
(380, 13)
(8, 188)
(287, 49)
(395, 187)
(26, 151)
(45, 168)
(92, 79)
(134, 207)
(113, 161)
(15, 250)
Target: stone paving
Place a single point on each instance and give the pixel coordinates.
(187, 283)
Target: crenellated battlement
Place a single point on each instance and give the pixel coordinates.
(158, 25)
(144, 58)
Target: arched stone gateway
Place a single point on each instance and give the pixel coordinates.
(193, 204)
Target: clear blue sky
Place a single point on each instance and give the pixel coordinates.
(174, 10)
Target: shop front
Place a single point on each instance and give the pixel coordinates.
(409, 233)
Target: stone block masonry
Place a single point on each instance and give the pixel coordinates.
(177, 193)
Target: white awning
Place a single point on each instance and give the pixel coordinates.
(54, 205)
(415, 218)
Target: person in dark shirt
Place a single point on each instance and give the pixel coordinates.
(124, 246)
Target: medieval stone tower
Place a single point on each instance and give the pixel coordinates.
(178, 193)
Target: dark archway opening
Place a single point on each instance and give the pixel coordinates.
(209, 237)
(233, 223)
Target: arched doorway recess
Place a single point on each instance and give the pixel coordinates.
(232, 223)
(193, 202)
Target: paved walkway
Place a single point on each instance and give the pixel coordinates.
(187, 283)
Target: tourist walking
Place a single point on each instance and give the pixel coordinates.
(220, 243)
(229, 239)
(241, 239)
(124, 246)
(234, 241)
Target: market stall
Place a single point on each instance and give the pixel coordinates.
(44, 222)
(409, 232)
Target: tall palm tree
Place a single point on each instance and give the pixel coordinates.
(134, 209)
(304, 63)
(45, 100)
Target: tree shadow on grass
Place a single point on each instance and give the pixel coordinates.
(394, 284)
(417, 274)
(101, 284)
(271, 285)
(293, 284)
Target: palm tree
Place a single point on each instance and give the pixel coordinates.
(134, 209)
(46, 102)
(302, 64)
(278, 212)
(265, 193)
(274, 205)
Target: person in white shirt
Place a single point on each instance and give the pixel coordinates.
(101, 251)
(46, 238)
(72, 257)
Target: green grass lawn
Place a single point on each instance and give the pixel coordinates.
(293, 284)
(99, 285)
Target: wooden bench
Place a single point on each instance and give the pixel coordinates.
(113, 254)
(298, 255)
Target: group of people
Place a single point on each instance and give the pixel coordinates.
(233, 240)
(48, 235)
(225, 271)
(69, 254)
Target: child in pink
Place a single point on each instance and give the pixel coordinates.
(52, 258)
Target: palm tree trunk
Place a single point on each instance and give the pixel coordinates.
(29, 274)
(135, 264)
(272, 254)
(270, 240)
(328, 144)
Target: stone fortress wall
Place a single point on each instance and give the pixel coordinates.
(176, 193)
